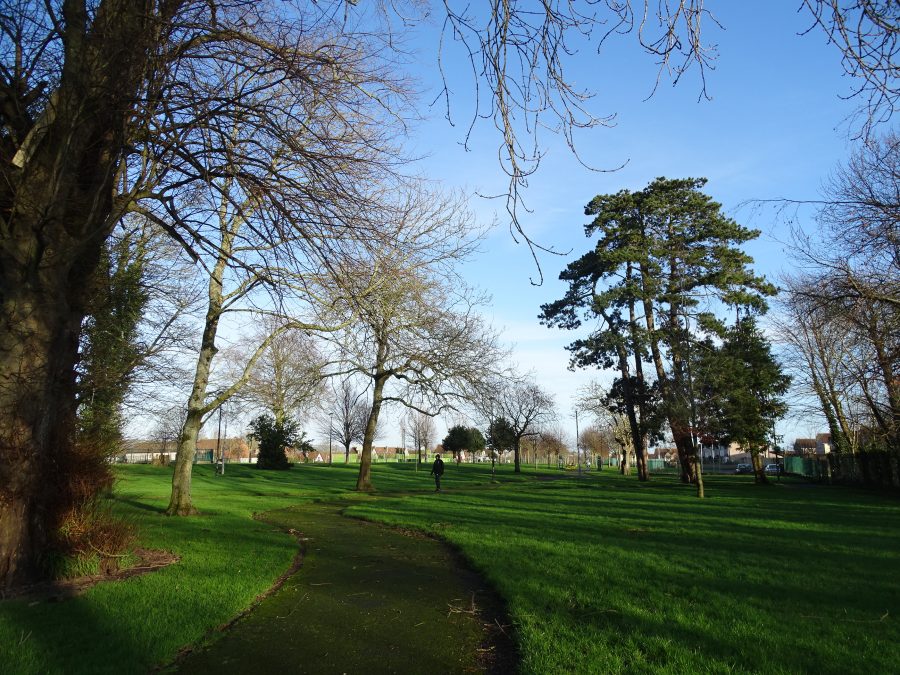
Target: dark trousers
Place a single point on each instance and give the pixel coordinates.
(437, 482)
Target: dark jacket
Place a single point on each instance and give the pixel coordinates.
(437, 469)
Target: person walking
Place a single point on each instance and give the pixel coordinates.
(437, 470)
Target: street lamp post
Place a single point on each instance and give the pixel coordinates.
(219, 458)
(577, 444)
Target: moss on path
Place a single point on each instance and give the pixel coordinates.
(367, 599)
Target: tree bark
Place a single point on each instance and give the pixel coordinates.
(56, 201)
(638, 425)
(180, 503)
(698, 472)
(364, 479)
(665, 387)
(642, 466)
(759, 473)
(885, 359)
(625, 466)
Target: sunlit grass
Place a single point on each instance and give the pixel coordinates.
(227, 559)
(607, 575)
(600, 575)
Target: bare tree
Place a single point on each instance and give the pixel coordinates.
(867, 34)
(88, 91)
(287, 378)
(168, 427)
(595, 441)
(553, 442)
(526, 407)
(414, 330)
(846, 355)
(594, 398)
(275, 203)
(843, 309)
(518, 59)
(420, 346)
(815, 349)
(421, 429)
(347, 415)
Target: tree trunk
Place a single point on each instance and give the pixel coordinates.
(364, 480)
(625, 466)
(56, 210)
(516, 458)
(638, 432)
(642, 467)
(665, 386)
(180, 502)
(885, 358)
(37, 415)
(759, 473)
(686, 454)
(698, 472)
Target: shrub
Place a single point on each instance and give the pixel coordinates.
(92, 540)
(273, 437)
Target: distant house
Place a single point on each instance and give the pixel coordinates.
(823, 444)
(805, 446)
(147, 452)
(712, 451)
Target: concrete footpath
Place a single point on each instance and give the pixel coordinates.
(366, 599)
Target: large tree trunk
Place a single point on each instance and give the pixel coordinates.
(665, 386)
(686, 452)
(759, 473)
(180, 503)
(516, 456)
(37, 414)
(642, 467)
(56, 205)
(625, 466)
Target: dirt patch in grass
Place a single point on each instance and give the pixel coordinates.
(148, 560)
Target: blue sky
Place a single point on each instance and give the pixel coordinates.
(775, 127)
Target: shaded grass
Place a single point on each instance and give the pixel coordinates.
(227, 560)
(607, 575)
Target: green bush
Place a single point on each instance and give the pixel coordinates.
(273, 437)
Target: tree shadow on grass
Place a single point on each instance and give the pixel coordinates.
(79, 637)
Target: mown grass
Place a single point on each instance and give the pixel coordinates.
(606, 575)
(227, 559)
(601, 575)
(369, 599)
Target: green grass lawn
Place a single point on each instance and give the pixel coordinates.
(601, 575)
(227, 559)
(606, 575)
